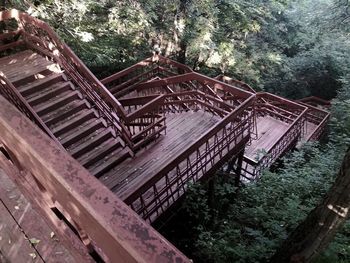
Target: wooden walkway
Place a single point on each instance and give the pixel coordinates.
(24, 234)
(182, 130)
(269, 131)
(20, 66)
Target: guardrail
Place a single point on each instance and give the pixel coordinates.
(11, 93)
(236, 83)
(121, 82)
(100, 218)
(294, 117)
(318, 117)
(39, 36)
(199, 160)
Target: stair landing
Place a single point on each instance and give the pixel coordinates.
(182, 130)
(269, 131)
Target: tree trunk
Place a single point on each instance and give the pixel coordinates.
(181, 57)
(314, 234)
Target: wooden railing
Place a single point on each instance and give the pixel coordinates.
(199, 160)
(190, 91)
(284, 143)
(109, 227)
(318, 117)
(235, 83)
(11, 93)
(39, 36)
(294, 117)
(10, 40)
(315, 101)
(123, 81)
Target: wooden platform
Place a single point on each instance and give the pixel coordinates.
(24, 234)
(21, 65)
(182, 130)
(269, 131)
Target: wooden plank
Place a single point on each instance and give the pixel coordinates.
(14, 245)
(182, 129)
(24, 64)
(269, 131)
(30, 222)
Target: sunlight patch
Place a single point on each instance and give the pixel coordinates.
(341, 211)
(85, 36)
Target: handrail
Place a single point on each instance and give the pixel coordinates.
(11, 93)
(157, 59)
(318, 131)
(116, 232)
(194, 76)
(232, 81)
(269, 157)
(320, 120)
(51, 45)
(266, 95)
(130, 197)
(162, 59)
(153, 104)
(126, 71)
(310, 99)
(159, 101)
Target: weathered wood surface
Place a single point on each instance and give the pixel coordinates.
(25, 64)
(111, 225)
(182, 130)
(20, 225)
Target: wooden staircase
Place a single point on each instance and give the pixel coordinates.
(56, 91)
(62, 108)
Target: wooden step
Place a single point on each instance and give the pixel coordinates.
(81, 131)
(36, 73)
(64, 112)
(17, 56)
(109, 162)
(40, 84)
(91, 142)
(75, 121)
(56, 103)
(50, 92)
(99, 152)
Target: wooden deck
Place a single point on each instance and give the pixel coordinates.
(24, 234)
(269, 131)
(182, 130)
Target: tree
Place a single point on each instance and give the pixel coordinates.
(314, 234)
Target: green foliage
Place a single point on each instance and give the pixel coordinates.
(249, 225)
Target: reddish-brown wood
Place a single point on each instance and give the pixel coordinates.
(27, 224)
(108, 222)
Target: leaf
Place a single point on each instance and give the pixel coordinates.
(34, 241)
(52, 234)
(33, 255)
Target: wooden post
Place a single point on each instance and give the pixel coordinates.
(239, 168)
(236, 168)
